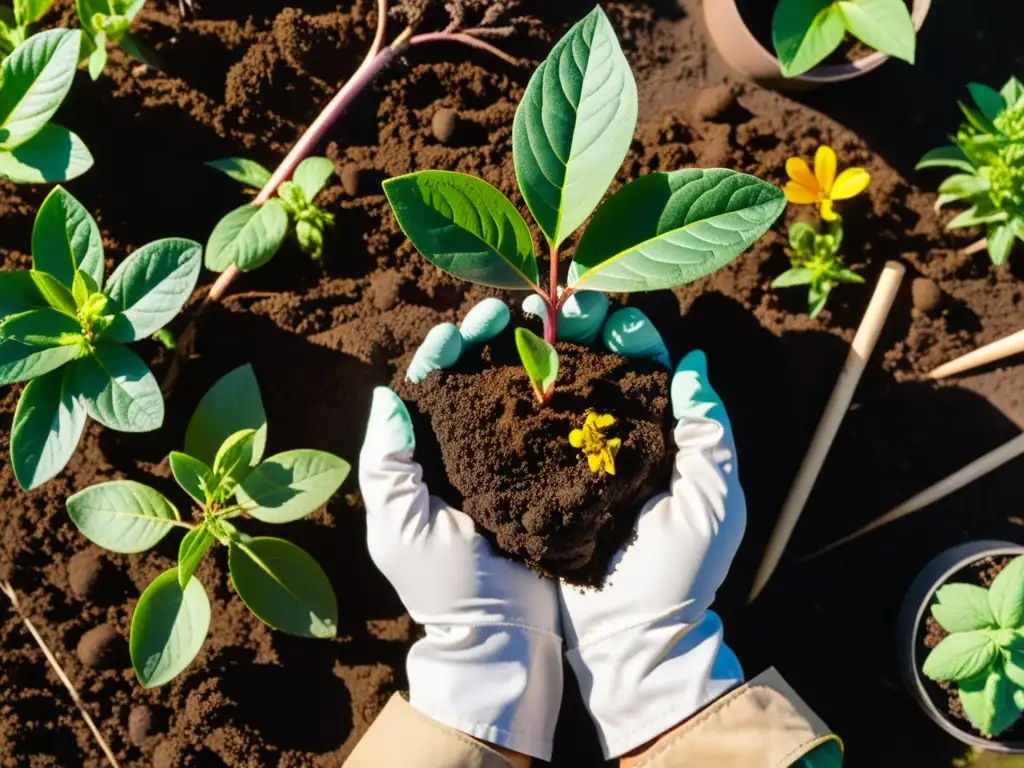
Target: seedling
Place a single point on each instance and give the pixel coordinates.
(591, 440)
(984, 652)
(108, 21)
(805, 32)
(816, 263)
(570, 135)
(64, 332)
(223, 471)
(34, 81)
(988, 150)
(251, 235)
(16, 22)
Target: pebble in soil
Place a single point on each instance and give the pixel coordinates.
(85, 572)
(101, 648)
(350, 179)
(445, 125)
(926, 294)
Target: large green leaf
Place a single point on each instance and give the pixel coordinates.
(312, 176)
(885, 25)
(540, 360)
(243, 170)
(989, 701)
(960, 656)
(18, 293)
(169, 627)
(290, 485)
(47, 426)
(1006, 595)
(120, 392)
(963, 608)
(122, 515)
(36, 342)
(151, 286)
(989, 100)
(284, 587)
(65, 237)
(464, 226)
(667, 229)
(804, 32)
(248, 237)
(231, 405)
(190, 553)
(53, 154)
(574, 126)
(35, 80)
(191, 474)
(949, 157)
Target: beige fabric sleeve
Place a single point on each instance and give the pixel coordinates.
(403, 736)
(763, 724)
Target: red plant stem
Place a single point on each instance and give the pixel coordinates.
(551, 319)
(462, 37)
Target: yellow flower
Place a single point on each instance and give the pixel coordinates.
(599, 450)
(823, 186)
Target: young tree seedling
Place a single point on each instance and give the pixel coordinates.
(107, 22)
(816, 263)
(16, 22)
(64, 332)
(223, 470)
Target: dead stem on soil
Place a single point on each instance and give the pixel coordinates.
(7, 589)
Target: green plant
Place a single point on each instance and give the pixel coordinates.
(988, 150)
(16, 22)
(984, 651)
(816, 263)
(569, 137)
(64, 332)
(222, 469)
(251, 235)
(108, 21)
(34, 81)
(805, 32)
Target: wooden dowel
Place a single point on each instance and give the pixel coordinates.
(997, 350)
(863, 344)
(973, 248)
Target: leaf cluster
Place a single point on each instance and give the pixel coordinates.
(223, 470)
(984, 651)
(251, 235)
(816, 263)
(988, 153)
(16, 22)
(805, 32)
(64, 330)
(109, 21)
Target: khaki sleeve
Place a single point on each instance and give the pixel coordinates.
(403, 736)
(763, 724)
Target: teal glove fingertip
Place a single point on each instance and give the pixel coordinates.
(442, 348)
(692, 393)
(389, 428)
(629, 332)
(485, 321)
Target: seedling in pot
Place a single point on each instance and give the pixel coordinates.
(65, 332)
(16, 22)
(108, 21)
(223, 470)
(816, 263)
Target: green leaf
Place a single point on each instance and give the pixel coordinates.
(30, 11)
(1000, 243)
(540, 359)
(192, 475)
(291, 485)
(801, 236)
(963, 185)
(885, 25)
(817, 297)
(131, 10)
(139, 51)
(1006, 595)
(43, 327)
(191, 551)
(37, 342)
(988, 701)
(65, 238)
(54, 293)
(122, 515)
(1012, 92)
(234, 457)
(243, 170)
(989, 100)
(978, 121)
(312, 175)
(574, 126)
(464, 226)
(667, 229)
(963, 608)
(960, 656)
(169, 627)
(36, 78)
(53, 154)
(846, 275)
(18, 293)
(83, 288)
(48, 424)
(151, 286)
(98, 57)
(232, 404)
(284, 587)
(248, 237)
(120, 392)
(982, 213)
(792, 277)
(804, 32)
(949, 157)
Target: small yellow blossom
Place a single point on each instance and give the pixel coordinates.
(823, 187)
(599, 450)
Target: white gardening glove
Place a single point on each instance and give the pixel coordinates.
(646, 650)
(490, 664)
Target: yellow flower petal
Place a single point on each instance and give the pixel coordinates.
(798, 171)
(594, 462)
(576, 438)
(613, 445)
(827, 213)
(799, 194)
(851, 182)
(591, 420)
(604, 420)
(825, 169)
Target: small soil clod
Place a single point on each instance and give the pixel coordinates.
(445, 124)
(84, 572)
(100, 647)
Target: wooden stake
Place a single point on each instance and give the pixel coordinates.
(973, 248)
(997, 350)
(863, 344)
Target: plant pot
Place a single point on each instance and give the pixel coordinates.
(744, 53)
(915, 610)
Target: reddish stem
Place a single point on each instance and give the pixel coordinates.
(551, 319)
(465, 39)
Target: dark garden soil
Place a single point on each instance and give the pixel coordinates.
(246, 78)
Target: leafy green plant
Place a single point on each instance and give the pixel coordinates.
(984, 651)
(64, 332)
(805, 32)
(34, 81)
(251, 235)
(108, 22)
(16, 22)
(223, 470)
(988, 152)
(816, 263)
(570, 135)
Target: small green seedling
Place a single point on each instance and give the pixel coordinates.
(816, 263)
(108, 21)
(222, 469)
(805, 32)
(251, 235)
(540, 359)
(988, 150)
(16, 22)
(64, 332)
(984, 652)
(34, 81)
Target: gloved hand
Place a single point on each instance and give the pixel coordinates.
(490, 664)
(646, 650)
